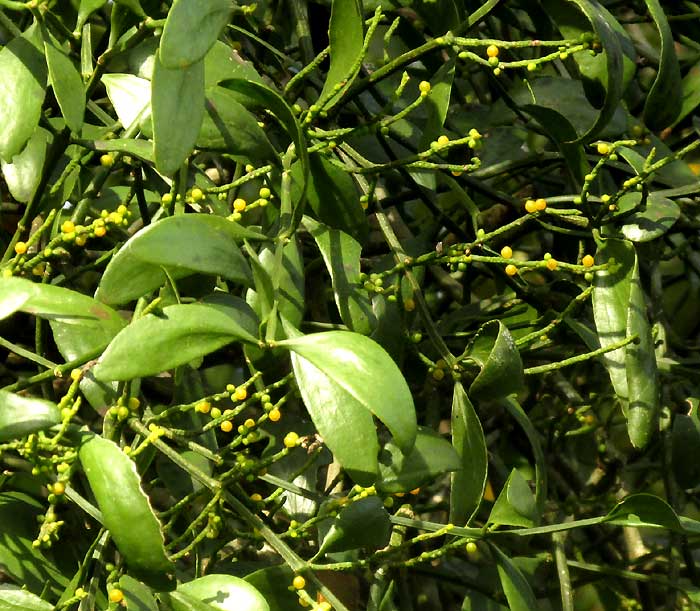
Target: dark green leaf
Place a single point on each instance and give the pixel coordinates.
(685, 439)
(518, 591)
(183, 244)
(177, 100)
(23, 73)
(138, 596)
(66, 83)
(515, 505)
(430, 457)
(657, 217)
(664, 100)
(180, 334)
(346, 36)
(191, 29)
(364, 523)
(691, 93)
(222, 593)
(20, 416)
(469, 482)
(495, 352)
(23, 174)
(640, 510)
(341, 254)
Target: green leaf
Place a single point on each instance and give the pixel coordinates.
(690, 86)
(191, 29)
(130, 96)
(143, 149)
(222, 62)
(273, 583)
(20, 416)
(126, 511)
(332, 197)
(182, 244)
(87, 7)
(14, 599)
(430, 457)
(640, 510)
(177, 106)
(182, 333)
(229, 125)
(23, 74)
(223, 593)
(619, 309)
(66, 83)
(494, 350)
(515, 505)
(685, 439)
(653, 221)
(476, 601)
(23, 173)
(346, 36)
(341, 254)
(138, 597)
(518, 592)
(664, 100)
(81, 325)
(468, 484)
(364, 523)
(363, 369)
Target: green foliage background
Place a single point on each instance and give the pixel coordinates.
(383, 305)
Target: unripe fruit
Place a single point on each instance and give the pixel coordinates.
(291, 439)
(106, 160)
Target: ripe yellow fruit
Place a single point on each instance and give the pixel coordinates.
(552, 264)
(240, 394)
(299, 583)
(424, 87)
(226, 426)
(588, 261)
(197, 194)
(492, 51)
(511, 270)
(59, 488)
(239, 204)
(21, 248)
(507, 252)
(203, 407)
(540, 204)
(291, 439)
(68, 227)
(443, 140)
(115, 595)
(249, 423)
(530, 206)
(603, 148)
(274, 415)
(107, 161)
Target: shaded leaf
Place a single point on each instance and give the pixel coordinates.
(66, 83)
(14, 599)
(138, 596)
(657, 217)
(221, 592)
(685, 439)
(363, 523)
(23, 173)
(515, 505)
(20, 415)
(643, 509)
(518, 591)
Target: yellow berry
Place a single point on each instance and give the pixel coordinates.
(239, 204)
(240, 394)
(291, 440)
(443, 140)
(106, 161)
(100, 231)
(80, 240)
(68, 226)
(264, 193)
(166, 198)
(116, 595)
(603, 148)
(134, 403)
(540, 204)
(325, 606)
(552, 264)
(255, 497)
(492, 51)
(299, 583)
(530, 206)
(226, 426)
(471, 547)
(424, 87)
(203, 407)
(249, 168)
(21, 248)
(197, 194)
(511, 270)
(275, 415)
(605, 198)
(215, 413)
(587, 261)
(249, 423)
(59, 488)
(76, 374)
(507, 252)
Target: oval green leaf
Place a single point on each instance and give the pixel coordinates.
(223, 593)
(659, 215)
(126, 511)
(20, 416)
(138, 596)
(14, 599)
(191, 29)
(364, 523)
(23, 174)
(158, 342)
(130, 95)
(67, 85)
(518, 591)
(515, 505)
(177, 107)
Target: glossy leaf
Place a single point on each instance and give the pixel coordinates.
(664, 100)
(639, 510)
(658, 216)
(273, 583)
(143, 149)
(126, 511)
(20, 415)
(467, 484)
(23, 77)
(430, 457)
(362, 368)
(157, 342)
(87, 7)
(130, 96)
(14, 599)
(515, 505)
(332, 197)
(66, 83)
(685, 439)
(363, 523)
(179, 47)
(346, 36)
(183, 244)
(23, 173)
(177, 106)
(81, 325)
(495, 352)
(222, 62)
(223, 593)
(518, 591)
(138, 597)
(341, 254)
(229, 125)
(619, 309)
